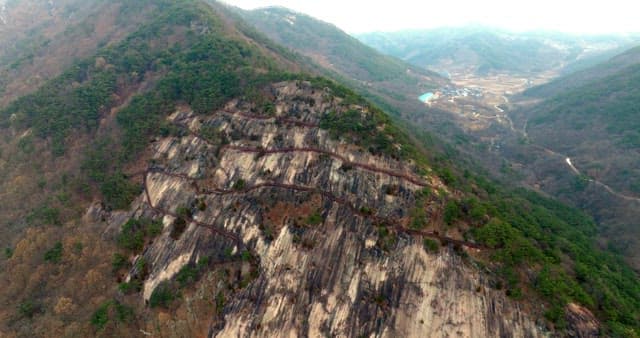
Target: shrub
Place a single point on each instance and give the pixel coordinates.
(431, 245)
(28, 309)
(100, 317)
(77, 248)
(130, 287)
(179, 226)
(54, 255)
(314, 219)
(131, 236)
(515, 293)
(46, 215)
(451, 212)
(162, 296)
(239, 184)
(220, 302)
(124, 313)
(418, 217)
(119, 261)
(202, 206)
(187, 275)
(269, 108)
(495, 234)
(211, 134)
(135, 231)
(118, 192)
(246, 256)
(447, 176)
(153, 228)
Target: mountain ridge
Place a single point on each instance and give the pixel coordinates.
(154, 186)
(483, 50)
(381, 78)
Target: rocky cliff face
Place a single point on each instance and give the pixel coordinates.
(322, 224)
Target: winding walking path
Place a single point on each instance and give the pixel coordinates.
(394, 224)
(259, 117)
(343, 159)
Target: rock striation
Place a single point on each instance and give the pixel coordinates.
(324, 221)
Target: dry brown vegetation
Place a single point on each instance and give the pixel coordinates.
(86, 26)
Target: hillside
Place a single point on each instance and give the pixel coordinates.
(387, 80)
(593, 118)
(34, 51)
(484, 51)
(193, 178)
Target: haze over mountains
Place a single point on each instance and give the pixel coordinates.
(483, 50)
(185, 168)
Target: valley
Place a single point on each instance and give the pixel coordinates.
(483, 102)
(482, 105)
(493, 116)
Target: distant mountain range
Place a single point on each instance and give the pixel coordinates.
(484, 50)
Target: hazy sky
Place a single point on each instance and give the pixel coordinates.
(586, 16)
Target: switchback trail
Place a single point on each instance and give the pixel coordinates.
(220, 231)
(277, 119)
(395, 224)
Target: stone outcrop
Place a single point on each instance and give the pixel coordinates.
(314, 226)
(581, 322)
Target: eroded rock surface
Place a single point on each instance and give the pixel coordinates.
(582, 323)
(310, 209)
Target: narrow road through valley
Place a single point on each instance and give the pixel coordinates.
(577, 172)
(606, 187)
(567, 159)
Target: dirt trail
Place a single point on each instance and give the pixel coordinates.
(573, 168)
(363, 212)
(392, 223)
(220, 231)
(344, 160)
(502, 115)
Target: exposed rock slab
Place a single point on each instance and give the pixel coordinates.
(326, 279)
